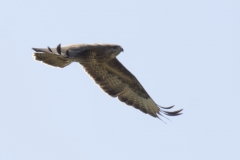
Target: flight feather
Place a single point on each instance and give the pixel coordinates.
(100, 62)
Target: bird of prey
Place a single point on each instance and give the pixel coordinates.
(100, 62)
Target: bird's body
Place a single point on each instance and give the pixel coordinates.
(100, 62)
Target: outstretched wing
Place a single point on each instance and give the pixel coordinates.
(108, 72)
(117, 81)
(52, 57)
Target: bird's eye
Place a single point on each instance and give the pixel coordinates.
(114, 47)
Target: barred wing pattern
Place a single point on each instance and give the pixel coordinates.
(53, 60)
(117, 81)
(107, 72)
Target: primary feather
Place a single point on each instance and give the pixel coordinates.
(100, 62)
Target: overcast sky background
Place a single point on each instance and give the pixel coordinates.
(184, 53)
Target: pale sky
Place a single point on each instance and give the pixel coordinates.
(184, 53)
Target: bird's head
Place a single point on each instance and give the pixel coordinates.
(113, 50)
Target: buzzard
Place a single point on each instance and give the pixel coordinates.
(100, 62)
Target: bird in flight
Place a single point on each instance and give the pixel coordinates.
(100, 62)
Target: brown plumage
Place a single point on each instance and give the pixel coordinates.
(100, 62)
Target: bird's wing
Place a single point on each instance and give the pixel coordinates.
(53, 57)
(117, 81)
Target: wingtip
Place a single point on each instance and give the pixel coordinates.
(59, 48)
(50, 49)
(170, 113)
(36, 49)
(167, 107)
(173, 113)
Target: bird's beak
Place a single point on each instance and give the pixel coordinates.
(122, 49)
